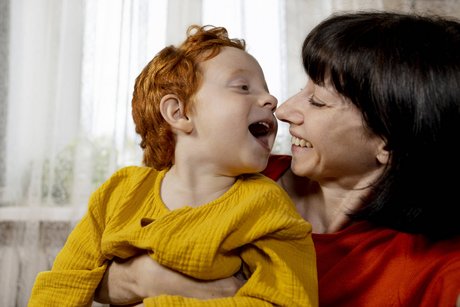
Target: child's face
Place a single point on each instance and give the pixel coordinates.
(233, 114)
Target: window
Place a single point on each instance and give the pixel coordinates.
(69, 122)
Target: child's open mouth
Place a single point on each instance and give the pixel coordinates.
(259, 129)
(262, 130)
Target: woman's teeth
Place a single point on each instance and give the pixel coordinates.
(300, 142)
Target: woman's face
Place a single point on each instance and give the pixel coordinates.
(330, 143)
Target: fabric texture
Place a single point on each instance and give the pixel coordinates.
(367, 265)
(253, 226)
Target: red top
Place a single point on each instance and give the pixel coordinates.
(366, 265)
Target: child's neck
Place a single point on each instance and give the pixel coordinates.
(192, 186)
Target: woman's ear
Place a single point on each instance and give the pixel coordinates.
(383, 155)
(173, 111)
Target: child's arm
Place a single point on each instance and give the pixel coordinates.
(264, 231)
(77, 269)
(283, 265)
(141, 277)
(284, 274)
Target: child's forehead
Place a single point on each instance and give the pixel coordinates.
(233, 64)
(234, 59)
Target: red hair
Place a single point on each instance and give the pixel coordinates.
(174, 70)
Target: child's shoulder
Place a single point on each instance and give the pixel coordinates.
(263, 187)
(264, 198)
(130, 176)
(133, 170)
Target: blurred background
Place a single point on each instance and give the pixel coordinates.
(67, 71)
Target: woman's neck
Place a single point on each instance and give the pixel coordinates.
(325, 208)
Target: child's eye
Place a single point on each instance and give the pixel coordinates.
(240, 84)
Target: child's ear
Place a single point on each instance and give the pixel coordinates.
(173, 111)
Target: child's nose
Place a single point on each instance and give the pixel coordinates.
(270, 101)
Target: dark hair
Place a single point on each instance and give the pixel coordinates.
(403, 72)
(173, 70)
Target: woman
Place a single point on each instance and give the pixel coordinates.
(375, 160)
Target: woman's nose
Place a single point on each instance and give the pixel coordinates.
(282, 112)
(286, 112)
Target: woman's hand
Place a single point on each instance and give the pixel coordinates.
(132, 280)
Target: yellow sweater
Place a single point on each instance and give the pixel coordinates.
(254, 225)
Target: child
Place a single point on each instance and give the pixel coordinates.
(206, 120)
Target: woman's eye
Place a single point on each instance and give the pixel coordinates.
(244, 87)
(314, 102)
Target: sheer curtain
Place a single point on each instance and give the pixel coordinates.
(72, 64)
(72, 70)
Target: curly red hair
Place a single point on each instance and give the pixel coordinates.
(174, 70)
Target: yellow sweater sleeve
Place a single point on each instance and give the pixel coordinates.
(77, 269)
(283, 274)
(254, 224)
(81, 263)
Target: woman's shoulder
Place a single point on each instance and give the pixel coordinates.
(410, 266)
(366, 232)
(415, 250)
(430, 265)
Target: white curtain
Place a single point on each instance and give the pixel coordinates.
(72, 66)
(72, 69)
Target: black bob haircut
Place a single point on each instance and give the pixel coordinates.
(403, 72)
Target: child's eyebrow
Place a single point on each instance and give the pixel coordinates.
(239, 71)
